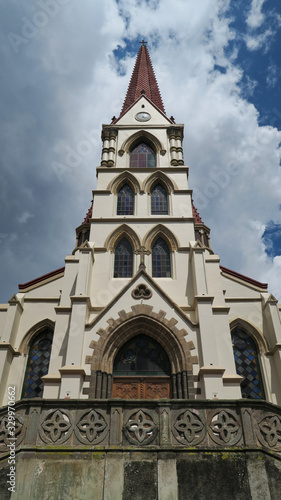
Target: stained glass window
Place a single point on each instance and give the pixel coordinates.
(161, 264)
(142, 355)
(123, 265)
(159, 205)
(37, 365)
(142, 156)
(247, 364)
(125, 201)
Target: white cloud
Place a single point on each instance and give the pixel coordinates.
(64, 84)
(255, 17)
(256, 41)
(272, 76)
(23, 218)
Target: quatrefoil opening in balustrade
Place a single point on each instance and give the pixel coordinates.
(224, 427)
(92, 427)
(11, 434)
(56, 426)
(189, 427)
(140, 428)
(141, 292)
(269, 431)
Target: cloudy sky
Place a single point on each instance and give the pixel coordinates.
(65, 68)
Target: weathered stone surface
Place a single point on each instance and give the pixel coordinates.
(164, 450)
(210, 476)
(64, 478)
(5, 494)
(140, 480)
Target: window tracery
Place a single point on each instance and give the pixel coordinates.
(161, 262)
(247, 364)
(142, 355)
(123, 264)
(159, 200)
(125, 201)
(142, 156)
(37, 365)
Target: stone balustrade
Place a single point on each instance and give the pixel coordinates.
(161, 424)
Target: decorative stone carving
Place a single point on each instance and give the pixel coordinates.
(188, 427)
(56, 426)
(142, 292)
(92, 427)
(140, 428)
(269, 431)
(15, 435)
(103, 356)
(224, 427)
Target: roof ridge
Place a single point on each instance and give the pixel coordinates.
(243, 277)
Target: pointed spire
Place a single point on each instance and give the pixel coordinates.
(143, 82)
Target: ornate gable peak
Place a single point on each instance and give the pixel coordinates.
(141, 277)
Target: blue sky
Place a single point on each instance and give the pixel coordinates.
(65, 68)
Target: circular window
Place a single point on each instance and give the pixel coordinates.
(142, 116)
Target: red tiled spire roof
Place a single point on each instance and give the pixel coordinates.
(143, 79)
(196, 215)
(88, 214)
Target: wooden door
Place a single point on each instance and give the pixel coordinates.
(141, 387)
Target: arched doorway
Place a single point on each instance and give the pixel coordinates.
(141, 370)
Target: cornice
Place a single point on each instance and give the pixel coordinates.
(143, 126)
(242, 299)
(211, 370)
(180, 168)
(132, 218)
(41, 299)
(8, 347)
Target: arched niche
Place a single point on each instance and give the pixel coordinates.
(123, 231)
(125, 178)
(142, 321)
(161, 178)
(142, 136)
(160, 231)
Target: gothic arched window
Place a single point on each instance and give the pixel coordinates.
(247, 364)
(125, 201)
(37, 365)
(159, 202)
(123, 265)
(161, 263)
(142, 156)
(142, 356)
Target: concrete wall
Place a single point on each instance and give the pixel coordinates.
(144, 476)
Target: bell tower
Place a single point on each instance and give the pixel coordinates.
(147, 237)
(124, 371)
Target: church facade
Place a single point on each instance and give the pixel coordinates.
(143, 343)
